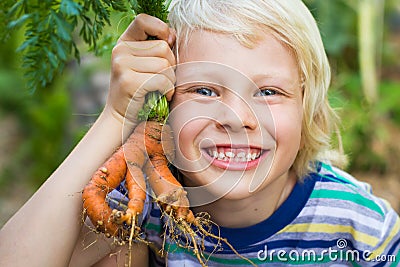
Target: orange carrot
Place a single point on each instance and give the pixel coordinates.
(104, 180)
(109, 176)
(168, 190)
(150, 140)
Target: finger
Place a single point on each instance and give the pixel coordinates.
(172, 37)
(153, 48)
(158, 82)
(137, 85)
(144, 65)
(144, 26)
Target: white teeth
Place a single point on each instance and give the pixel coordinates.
(241, 155)
(229, 155)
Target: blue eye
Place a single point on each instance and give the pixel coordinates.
(205, 91)
(267, 92)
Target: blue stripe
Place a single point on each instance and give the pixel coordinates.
(155, 212)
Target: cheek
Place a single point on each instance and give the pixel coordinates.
(188, 139)
(187, 131)
(288, 125)
(189, 121)
(182, 132)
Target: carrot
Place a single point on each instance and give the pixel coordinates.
(105, 179)
(126, 163)
(170, 193)
(150, 140)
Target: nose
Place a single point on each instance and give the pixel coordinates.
(236, 114)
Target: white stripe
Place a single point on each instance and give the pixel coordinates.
(337, 186)
(341, 213)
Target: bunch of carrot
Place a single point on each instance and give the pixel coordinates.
(145, 151)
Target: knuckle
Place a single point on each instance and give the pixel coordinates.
(116, 50)
(162, 26)
(163, 46)
(117, 65)
(139, 19)
(126, 83)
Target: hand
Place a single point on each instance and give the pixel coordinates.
(140, 66)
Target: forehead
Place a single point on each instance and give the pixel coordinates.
(269, 58)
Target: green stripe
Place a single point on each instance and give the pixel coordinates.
(152, 226)
(338, 177)
(340, 195)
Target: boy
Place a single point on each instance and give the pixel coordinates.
(252, 127)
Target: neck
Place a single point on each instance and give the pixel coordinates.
(257, 207)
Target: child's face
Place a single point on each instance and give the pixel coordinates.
(236, 114)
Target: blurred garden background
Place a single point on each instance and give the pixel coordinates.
(48, 100)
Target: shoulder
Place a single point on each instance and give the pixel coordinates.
(339, 186)
(347, 205)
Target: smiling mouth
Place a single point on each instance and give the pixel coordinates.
(234, 154)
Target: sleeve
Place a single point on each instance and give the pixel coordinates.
(387, 249)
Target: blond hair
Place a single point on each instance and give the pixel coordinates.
(290, 22)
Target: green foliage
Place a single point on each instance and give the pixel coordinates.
(49, 33)
(42, 121)
(338, 31)
(4, 18)
(367, 130)
(50, 27)
(367, 127)
(155, 108)
(156, 8)
(50, 30)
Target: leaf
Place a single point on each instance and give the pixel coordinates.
(64, 30)
(15, 7)
(49, 27)
(60, 48)
(119, 5)
(52, 58)
(27, 43)
(18, 22)
(70, 8)
(134, 5)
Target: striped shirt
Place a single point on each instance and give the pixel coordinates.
(329, 219)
